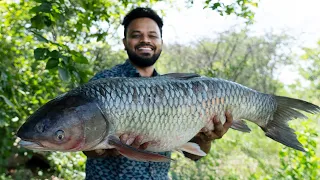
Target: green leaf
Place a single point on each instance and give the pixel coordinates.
(55, 54)
(8, 102)
(34, 10)
(37, 22)
(64, 74)
(215, 6)
(41, 53)
(79, 58)
(100, 37)
(45, 7)
(66, 60)
(40, 37)
(76, 75)
(52, 63)
(229, 9)
(47, 21)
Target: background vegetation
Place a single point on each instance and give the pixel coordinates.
(50, 46)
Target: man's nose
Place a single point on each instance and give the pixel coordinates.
(145, 39)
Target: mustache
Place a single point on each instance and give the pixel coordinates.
(144, 45)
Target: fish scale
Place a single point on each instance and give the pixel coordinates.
(171, 109)
(166, 110)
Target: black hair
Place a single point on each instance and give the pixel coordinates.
(141, 12)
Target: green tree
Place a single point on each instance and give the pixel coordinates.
(310, 71)
(46, 48)
(249, 60)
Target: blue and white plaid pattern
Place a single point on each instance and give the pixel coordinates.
(122, 168)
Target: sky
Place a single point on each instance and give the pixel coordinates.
(297, 18)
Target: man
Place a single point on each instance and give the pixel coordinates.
(143, 43)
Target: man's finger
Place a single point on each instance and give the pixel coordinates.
(137, 142)
(111, 152)
(144, 146)
(229, 119)
(124, 138)
(218, 127)
(100, 153)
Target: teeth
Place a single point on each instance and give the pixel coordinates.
(144, 48)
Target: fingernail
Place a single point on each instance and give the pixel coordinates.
(130, 141)
(124, 138)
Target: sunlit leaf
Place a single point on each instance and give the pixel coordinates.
(79, 58)
(40, 37)
(7, 101)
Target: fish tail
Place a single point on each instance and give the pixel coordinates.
(278, 129)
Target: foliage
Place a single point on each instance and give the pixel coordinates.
(241, 8)
(19, 83)
(238, 156)
(310, 71)
(237, 56)
(48, 47)
(298, 165)
(58, 23)
(28, 72)
(64, 27)
(68, 165)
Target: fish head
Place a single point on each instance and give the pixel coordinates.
(66, 123)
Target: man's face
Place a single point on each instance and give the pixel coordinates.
(143, 42)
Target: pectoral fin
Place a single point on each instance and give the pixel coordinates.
(192, 148)
(135, 154)
(240, 125)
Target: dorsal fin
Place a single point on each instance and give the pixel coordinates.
(181, 75)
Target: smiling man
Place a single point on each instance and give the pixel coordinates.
(143, 43)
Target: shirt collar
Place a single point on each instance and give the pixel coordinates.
(133, 71)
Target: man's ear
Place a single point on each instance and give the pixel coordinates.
(124, 43)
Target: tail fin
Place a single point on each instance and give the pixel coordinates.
(278, 128)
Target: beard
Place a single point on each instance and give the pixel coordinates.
(141, 61)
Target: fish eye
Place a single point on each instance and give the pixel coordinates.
(60, 135)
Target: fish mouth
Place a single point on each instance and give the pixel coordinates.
(31, 145)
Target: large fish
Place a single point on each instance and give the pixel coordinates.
(166, 110)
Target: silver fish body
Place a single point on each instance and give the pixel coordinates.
(170, 110)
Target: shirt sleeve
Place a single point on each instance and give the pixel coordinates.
(104, 74)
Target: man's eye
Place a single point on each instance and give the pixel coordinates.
(153, 36)
(135, 36)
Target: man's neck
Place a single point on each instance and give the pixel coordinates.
(145, 71)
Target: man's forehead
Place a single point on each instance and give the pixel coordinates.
(142, 25)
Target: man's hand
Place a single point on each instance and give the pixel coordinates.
(135, 142)
(205, 137)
